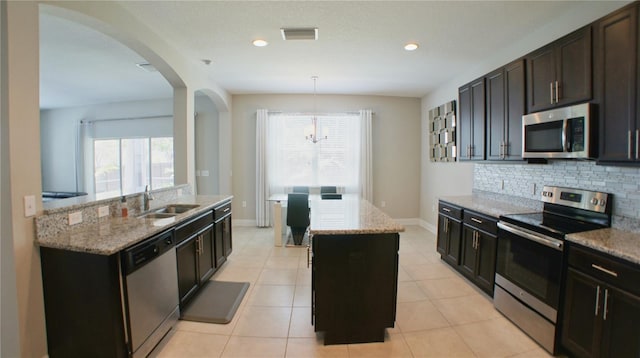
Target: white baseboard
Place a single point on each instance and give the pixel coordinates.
(429, 227)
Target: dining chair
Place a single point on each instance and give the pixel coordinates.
(301, 189)
(298, 215)
(328, 189)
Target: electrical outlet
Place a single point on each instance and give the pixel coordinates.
(383, 203)
(103, 211)
(204, 173)
(29, 205)
(244, 204)
(75, 218)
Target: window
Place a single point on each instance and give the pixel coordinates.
(294, 160)
(126, 165)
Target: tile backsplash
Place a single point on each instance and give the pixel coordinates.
(527, 180)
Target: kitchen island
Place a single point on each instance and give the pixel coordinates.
(354, 270)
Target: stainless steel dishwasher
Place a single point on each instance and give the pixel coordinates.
(151, 290)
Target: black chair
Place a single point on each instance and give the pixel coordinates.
(330, 196)
(301, 189)
(298, 215)
(328, 190)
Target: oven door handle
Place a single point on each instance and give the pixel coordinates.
(542, 239)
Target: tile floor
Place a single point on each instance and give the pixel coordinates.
(439, 313)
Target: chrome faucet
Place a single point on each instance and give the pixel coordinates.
(147, 197)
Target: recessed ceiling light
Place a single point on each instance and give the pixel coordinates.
(411, 46)
(260, 43)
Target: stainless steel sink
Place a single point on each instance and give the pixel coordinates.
(156, 215)
(176, 208)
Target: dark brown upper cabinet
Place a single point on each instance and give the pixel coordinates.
(560, 73)
(505, 96)
(616, 85)
(471, 98)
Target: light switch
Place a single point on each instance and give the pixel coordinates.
(204, 173)
(29, 205)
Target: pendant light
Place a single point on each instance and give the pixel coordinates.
(313, 136)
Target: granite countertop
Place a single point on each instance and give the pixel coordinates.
(351, 215)
(492, 206)
(113, 234)
(618, 243)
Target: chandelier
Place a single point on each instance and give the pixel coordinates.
(313, 135)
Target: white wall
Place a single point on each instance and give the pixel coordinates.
(441, 179)
(396, 146)
(59, 136)
(207, 146)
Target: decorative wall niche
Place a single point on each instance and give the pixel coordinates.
(442, 132)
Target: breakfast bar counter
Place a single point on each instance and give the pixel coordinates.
(354, 270)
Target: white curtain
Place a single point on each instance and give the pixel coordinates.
(366, 177)
(262, 185)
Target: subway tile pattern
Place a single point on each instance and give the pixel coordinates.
(527, 180)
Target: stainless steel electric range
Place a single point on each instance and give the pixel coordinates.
(530, 257)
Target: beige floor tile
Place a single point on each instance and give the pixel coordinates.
(412, 258)
(271, 295)
(441, 342)
(314, 347)
(466, 309)
(302, 296)
(537, 352)
(495, 338)
(446, 287)
(247, 347)
(304, 276)
(403, 275)
(394, 345)
(428, 271)
(409, 291)
(282, 262)
(261, 321)
(278, 277)
(289, 251)
(247, 261)
(419, 316)
(191, 344)
(237, 274)
(301, 323)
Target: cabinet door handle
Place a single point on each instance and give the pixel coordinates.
(550, 92)
(446, 225)
(604, 309)
(602, 269)
(476, 220)
(637, 143)
(557, 93)
(597, 300)
(629, 145)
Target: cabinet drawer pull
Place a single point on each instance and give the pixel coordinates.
(597, 300)
(446, 209)
(607, 271)
(226, 210)
(476, 220)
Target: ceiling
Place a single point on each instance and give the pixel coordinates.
(359, 49)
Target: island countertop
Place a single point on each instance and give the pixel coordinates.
(110, 235)
(351, 215)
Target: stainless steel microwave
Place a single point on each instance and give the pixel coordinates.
(566, 132)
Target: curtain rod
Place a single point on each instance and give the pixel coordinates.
(315, 113)
(83, 121)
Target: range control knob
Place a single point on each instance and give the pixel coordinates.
(602, 202)
(594, 201)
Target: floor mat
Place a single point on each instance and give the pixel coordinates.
(216, 302)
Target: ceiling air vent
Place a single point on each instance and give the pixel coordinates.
(300, 33)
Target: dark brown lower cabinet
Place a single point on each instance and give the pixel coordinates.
(449, 231)
(195, 255)
(354, 286)
(478, 250)
(601, 319)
